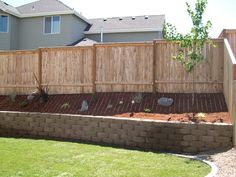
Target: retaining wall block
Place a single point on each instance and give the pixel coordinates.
(147, 134)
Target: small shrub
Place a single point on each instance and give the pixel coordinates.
(24, 104)
(147, 110)
(201, 115)
(94, 97)
(138, 98)
(42, 92)
(65, 105)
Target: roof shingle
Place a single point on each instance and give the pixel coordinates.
(43, 6)
(126, 24)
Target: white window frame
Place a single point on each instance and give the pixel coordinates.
(52, 25)
(8, 21)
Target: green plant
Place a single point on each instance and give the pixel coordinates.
(65, 105)
(94, 97)
(42, 92)
(147, 110)
(138, 98)
(191, 45)
(12, 97)
(24, 104)
(200, 117)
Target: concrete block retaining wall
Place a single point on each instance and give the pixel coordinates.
(146, 134)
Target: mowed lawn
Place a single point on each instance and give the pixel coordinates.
(43, 158)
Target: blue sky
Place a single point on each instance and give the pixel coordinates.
(222, 13)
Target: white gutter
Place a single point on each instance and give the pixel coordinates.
(124, 30)
(101, 35)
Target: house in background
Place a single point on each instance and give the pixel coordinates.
(126, 29)
(39, 24)
(47, 23)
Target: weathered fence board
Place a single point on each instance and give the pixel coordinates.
(67, 71)
(229, 79)
(124, 68)
(17, 71)
(230, 34)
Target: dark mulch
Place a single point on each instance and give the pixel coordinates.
(212, 104)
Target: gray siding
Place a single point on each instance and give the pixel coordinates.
(6, 40)
(14, 21)
(126, 37)
(31, 33)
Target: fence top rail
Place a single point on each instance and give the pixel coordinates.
(161, 41)
(17, 52)
(119, 44)
(65, 48)
(124, 44)
(227, 31)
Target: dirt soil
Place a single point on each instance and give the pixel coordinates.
(207, 107)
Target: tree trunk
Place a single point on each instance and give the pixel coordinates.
(193, 83)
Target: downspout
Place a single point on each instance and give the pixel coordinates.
(101, 35)
(102, 30)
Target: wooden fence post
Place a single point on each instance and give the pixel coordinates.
(233, 114)
(154, 67)
(40, 67)
(94, 69)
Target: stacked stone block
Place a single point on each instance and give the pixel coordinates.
(144, 134)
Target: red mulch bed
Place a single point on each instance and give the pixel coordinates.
(213, 105)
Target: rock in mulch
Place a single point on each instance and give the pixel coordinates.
(165, 101)
(30, 97)
(84, 106)
(109, 106)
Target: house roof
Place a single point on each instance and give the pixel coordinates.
(41, 8)
(86, 42)
(127, 24)
(9, 9)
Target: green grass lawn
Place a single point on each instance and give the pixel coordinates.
(23, 157)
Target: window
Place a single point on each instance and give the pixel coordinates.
(3, 23)
(52, 25)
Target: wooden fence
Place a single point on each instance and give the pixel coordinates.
(67, 70)
(230, 82)
(171, 77)
(16, 71)
(230, 34)
(118, 67)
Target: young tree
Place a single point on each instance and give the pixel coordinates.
(191, 45)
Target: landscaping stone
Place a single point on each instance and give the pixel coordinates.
(127, 132)
(84, 106)
(224, 159)
(121, 102)
(165, 101)
(109, 106)
(30, 97)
